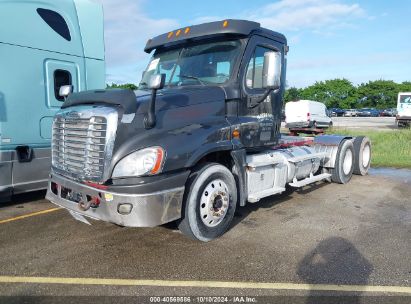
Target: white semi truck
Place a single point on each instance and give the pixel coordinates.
(403, 117)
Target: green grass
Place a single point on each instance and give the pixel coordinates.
(391, 148)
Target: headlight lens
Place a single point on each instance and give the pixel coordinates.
(147, 161)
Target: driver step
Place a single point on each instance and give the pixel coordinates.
(255, 197)
(309, 180)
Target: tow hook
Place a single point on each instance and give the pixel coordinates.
(84, 206)
(90, 202)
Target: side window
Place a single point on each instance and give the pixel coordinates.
(61, 78)
(254, 76)
(223, 68)
(56, 22)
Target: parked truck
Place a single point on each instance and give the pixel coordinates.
(403, 117)
(44, 45)
(199, 138)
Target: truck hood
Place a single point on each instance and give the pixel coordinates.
(187, 119)
(171, 98)
(190, 121)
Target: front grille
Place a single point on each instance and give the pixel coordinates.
(81, 146)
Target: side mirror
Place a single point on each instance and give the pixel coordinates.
(157, 81)
(65, 90)
(271, 77)
(272, 70)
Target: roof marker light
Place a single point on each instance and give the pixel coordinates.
(178, 33)
(170, 35)
(187, 30)
(225, 23)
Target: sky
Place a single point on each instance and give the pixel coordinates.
(358, 40)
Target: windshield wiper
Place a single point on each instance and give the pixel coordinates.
(193, 77)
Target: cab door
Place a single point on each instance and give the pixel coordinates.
(58, 73)
(259, 122)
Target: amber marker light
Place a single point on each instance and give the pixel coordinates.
(178, 33)
(225, 23)
(236, 134)
(170, 35)
(159, 161)
(187, 30)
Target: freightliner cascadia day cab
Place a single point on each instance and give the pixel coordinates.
(43, 45)
(199, 138)
(403, 117)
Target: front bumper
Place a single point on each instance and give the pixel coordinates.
(403, 118)
(148, 210)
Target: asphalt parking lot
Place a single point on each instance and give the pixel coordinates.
(365, 122)
(327, 239)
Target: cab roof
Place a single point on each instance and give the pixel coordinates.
(228, 27)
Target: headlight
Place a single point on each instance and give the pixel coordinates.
(147, 161)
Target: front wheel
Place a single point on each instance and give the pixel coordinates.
(209, 202)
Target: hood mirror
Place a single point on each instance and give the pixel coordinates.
(157, 81)
(65, 91)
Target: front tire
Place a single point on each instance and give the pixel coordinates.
(209, 202)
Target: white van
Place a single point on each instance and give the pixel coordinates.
(306, 113)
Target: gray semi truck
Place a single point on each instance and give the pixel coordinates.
(198, 139)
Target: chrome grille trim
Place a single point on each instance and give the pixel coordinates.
(83, 141)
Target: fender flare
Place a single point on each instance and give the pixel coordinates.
(329, 144)
(208, 149)
(239, 157)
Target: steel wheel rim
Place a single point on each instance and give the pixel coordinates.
(347, 164)
(214, 203)
(366, 156)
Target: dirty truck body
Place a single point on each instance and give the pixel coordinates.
(63, 45)
(199, 138)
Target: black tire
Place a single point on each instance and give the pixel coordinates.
(339, 175)
(362, 157)
(192, 224)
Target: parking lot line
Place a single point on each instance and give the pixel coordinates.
(20, 217)
(207, 284)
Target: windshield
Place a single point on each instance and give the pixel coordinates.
(208, 63)
(405, 99)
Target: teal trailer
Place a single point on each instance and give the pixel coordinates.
(44, 44)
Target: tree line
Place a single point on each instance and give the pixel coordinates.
(130, 86)
(341, 93)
